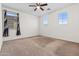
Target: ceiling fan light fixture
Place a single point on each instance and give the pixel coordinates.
(38, 7)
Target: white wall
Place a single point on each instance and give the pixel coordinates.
(28, 26)
(69, 32)
(1, 40)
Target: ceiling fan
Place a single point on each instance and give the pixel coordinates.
(38, 6)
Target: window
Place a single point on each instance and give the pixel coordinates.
(63, 18)
(45, 19)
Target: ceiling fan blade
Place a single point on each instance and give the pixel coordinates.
(35, 9)
(37, 4)
(32, 5)
(42, 9)
(44, 4)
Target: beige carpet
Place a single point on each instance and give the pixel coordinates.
(39, 46)
(42, 41)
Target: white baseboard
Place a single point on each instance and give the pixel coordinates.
(19, 37)
(75, 41)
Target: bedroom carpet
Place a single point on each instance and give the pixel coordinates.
(39, 46)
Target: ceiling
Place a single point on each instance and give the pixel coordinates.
(24, 7)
